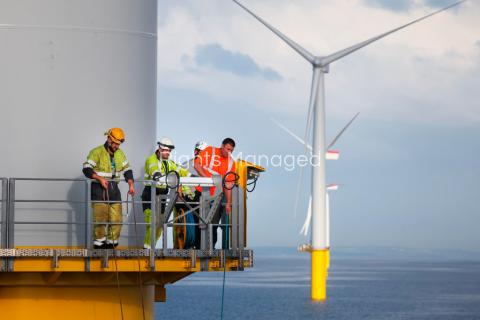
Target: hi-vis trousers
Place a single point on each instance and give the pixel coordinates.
(110, 218)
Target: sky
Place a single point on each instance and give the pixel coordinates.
(408, 168)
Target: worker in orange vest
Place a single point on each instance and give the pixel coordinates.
(219, 161)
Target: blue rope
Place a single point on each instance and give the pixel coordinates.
(223, 286)
(225, 246)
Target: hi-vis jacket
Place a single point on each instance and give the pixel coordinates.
(99, 160)
(153, 166)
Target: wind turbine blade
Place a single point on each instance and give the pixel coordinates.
(309, 147)
(342, 53)
(313, 94)
(295, 46)
(298, 191)
(342, 131)
(306, 224)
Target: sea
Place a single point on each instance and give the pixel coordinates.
(363, 283)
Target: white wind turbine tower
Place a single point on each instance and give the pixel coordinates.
(320, 64)
(330, 155)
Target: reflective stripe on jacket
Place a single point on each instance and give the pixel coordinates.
(99, 160)
(153, 165)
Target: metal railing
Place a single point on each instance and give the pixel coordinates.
(206, 208)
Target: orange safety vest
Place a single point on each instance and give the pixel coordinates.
(215, 164)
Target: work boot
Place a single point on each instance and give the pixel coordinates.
(99, 244)
(111, 244)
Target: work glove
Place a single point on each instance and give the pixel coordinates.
(156, 176)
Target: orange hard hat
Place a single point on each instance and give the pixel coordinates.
(116, 134)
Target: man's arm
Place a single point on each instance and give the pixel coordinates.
(201, 171)
(89, 173)
(129, 178)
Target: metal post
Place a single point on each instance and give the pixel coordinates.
(4, 264)
(88, 221)
(11, 214)
(164, 237)
(222, 258)
(193, 258)
(203, 228)
(203, 213)
(4, 213)
(242, 213)
(11, 221)
(210, 237)
(153, 224)
(240, 260)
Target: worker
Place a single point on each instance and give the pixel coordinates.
(104, 165)
(157, 165)
(219, 161)
(190, 166)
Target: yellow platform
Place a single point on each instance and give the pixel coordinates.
(99, 284)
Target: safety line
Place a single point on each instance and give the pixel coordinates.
(114, 255)
(140, 280)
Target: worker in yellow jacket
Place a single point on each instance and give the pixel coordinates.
(157, 165)
(104, 165)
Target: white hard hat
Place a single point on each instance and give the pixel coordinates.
(201, 145)
(166, 143)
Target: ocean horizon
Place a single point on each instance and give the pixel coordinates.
(363, 283)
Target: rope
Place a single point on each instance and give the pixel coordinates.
(114, 255)
(140, 281)
(223, 285)
(254, 183)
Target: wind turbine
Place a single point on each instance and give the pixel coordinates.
(330, 155)
(320, 64)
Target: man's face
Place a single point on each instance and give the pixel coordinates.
(226, 149)
(196, 152)
(113, 146)
(164, 153)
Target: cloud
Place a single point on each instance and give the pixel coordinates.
(215, 56)
(393, 5)
(405, 5)
(438, 3)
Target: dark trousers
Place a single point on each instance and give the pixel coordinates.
(223, 219)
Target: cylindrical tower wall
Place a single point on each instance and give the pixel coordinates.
(69, 70)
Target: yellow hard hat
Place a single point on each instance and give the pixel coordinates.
(116, 134)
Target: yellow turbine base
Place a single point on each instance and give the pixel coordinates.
(69, 302)
(320, 262)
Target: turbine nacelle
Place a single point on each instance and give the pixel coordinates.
(318, 62)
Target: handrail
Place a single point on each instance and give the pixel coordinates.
(9, 200)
